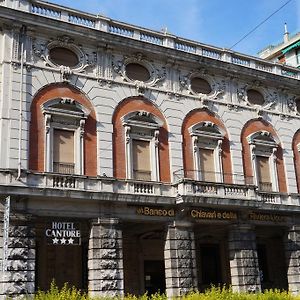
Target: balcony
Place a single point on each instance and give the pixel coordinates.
(84, 187)
(231, 187)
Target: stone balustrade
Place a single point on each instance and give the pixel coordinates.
(188, 187)
(164, 39)
(63, 184)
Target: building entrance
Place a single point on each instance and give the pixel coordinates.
(212, 256)
(210, 264)
(143, 253)
(155, 281)
(60, 257)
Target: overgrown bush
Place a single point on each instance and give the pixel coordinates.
(65, 293)
(214, 293)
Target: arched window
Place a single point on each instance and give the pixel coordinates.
(64, 132)
(263, 148)
(142, 155)
(207, 140)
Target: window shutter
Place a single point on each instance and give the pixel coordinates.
(207, 164)
(263, 168)
(141, 160)
(63, 150)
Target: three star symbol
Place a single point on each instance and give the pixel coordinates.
(63, 241)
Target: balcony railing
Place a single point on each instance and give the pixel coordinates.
(216, 177)
(164, 39)
(265, 186)
(43, 184)
(60, 183)
(63, 168)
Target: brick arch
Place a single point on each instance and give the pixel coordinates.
(256, 125)
(119, 156)
(193, 118)
(37, 127)
(296, 141)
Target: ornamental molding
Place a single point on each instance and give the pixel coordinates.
(271, 97)
(218, 87)
(157, 75)
(42, 51)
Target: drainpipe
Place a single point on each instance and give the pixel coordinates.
(22, 41)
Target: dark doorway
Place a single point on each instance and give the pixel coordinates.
(210, 265)
(154, 275)
(263, 265)
(62, 264)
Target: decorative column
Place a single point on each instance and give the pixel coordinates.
(105, 259)
(180, 259)
(245, 275)
(18, 278)
(292, 253)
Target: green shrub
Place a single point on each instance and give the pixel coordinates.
(65, 293)
(214, 293)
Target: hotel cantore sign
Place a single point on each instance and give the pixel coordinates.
(63, 233)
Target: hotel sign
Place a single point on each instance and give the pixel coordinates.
(63, 233)
(205, 214)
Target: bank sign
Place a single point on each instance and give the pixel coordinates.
(63, 233)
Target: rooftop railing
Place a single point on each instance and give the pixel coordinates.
(163, 39)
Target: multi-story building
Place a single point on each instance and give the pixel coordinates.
(287, 52)
(133, 160)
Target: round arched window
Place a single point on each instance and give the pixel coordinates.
(136, 71)
(63, 57)
(255, 97)
(200, 86)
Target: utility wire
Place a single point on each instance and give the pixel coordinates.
(265, 20)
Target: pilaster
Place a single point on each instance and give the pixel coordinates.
(105, 259)
(292, 253)
(19, 277)
(245, 276)
(180, 259)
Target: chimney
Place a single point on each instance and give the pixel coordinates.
(286, 34)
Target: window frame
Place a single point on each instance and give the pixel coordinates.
(266, 147)
(210, 140)
(64, 119)
(142, 130)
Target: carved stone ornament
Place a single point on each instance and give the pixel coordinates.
(218, 88)
(85, 60)
(270, 98)
(156, 75)
(242, 94)
(291, 104)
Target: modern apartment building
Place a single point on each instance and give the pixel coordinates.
(287, 52)
(133, 160)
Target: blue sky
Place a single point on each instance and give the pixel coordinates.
(216, 22)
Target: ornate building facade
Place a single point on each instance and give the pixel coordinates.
(133, 160)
